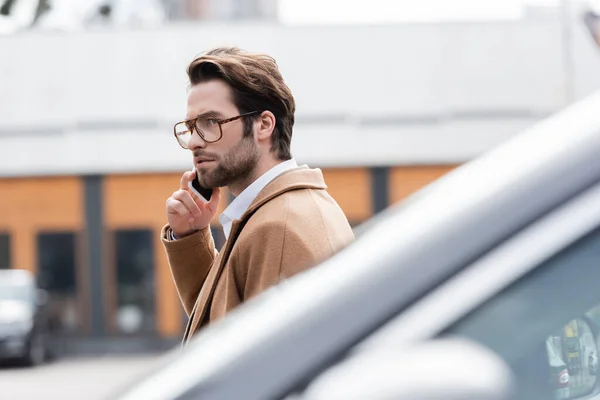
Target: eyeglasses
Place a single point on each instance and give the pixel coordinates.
(208, 128)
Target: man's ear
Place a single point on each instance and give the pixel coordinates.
(266, 125)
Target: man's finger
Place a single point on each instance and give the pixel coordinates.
(177, 207)
(186, 178)
(186, 198)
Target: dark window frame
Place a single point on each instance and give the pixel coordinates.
(74, 291)
(74, 235)
(149, 294)
(6, 263)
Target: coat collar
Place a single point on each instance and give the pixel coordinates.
(301, 177)
(240, 204)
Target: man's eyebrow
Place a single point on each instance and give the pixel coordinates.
(210, 114)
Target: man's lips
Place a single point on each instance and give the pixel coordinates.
(200, 162)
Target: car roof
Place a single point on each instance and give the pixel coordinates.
(398, 256)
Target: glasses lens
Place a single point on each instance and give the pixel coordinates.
(183, 134)
(209, 129)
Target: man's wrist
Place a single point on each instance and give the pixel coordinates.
(171, 234)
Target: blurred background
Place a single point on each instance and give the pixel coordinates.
(391, 95)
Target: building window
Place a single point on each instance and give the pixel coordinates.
(4, 251)
(56, 274)
(135, 281)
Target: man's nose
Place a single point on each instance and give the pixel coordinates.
(196, 141)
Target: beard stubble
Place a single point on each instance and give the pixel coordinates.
(235, 166)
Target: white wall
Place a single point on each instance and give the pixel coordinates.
(379, 71)
(400, 94)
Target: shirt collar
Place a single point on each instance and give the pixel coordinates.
(240, 204)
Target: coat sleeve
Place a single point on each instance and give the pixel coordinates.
(276, 253)
(190, 260)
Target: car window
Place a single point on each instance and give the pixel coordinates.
(546, 326)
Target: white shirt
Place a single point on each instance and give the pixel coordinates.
(240, 204)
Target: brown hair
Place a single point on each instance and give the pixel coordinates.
(257, 85)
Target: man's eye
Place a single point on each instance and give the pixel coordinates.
(213, 121)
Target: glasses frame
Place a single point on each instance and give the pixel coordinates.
(221, 122)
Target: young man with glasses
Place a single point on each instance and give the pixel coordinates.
(240, 115)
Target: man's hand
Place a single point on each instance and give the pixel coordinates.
(186, 213)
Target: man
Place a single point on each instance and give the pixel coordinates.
(240, 115)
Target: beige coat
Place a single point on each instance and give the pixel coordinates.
(292, 225)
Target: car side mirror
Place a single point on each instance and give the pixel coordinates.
(449, 369)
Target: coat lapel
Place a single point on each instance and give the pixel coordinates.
(194, 316)
(208, 289)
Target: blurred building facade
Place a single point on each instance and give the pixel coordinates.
(20, 15)
(88, 158)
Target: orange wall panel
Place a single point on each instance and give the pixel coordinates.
(29, 206)
(168, 306)
(351, 188)
(23, 249)
(42, 203)
(404, 181)
(137, 200)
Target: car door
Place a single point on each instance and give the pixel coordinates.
(534, 300)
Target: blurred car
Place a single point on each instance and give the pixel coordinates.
(451, 294)
(23, 319)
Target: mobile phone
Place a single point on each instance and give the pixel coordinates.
(203, 193)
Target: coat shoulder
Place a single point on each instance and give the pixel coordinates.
(294, 205)
(310, 213)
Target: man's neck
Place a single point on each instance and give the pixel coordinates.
(261, 168)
